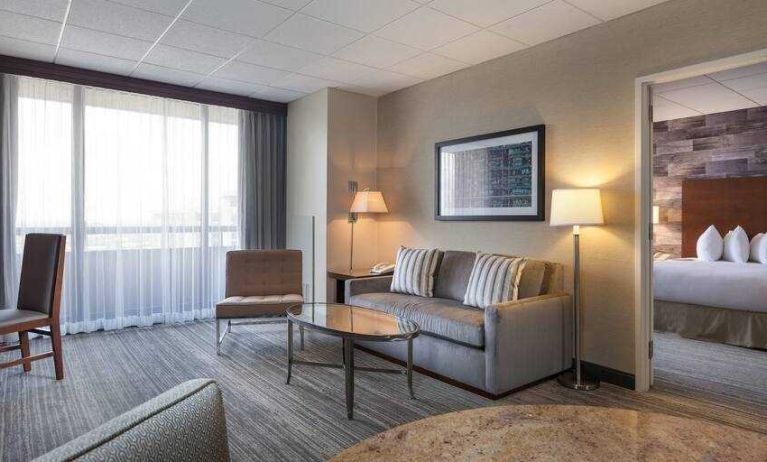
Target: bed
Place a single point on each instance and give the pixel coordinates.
(717, 301)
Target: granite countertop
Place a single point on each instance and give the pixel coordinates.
(553, 432)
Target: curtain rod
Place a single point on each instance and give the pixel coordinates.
(76, 75)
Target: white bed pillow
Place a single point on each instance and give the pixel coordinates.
(759, 248)
(736, 246)
(710, 245)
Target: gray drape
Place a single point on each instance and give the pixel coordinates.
(8, 181)
(263, 180)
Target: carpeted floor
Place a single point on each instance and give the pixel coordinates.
(111, 372)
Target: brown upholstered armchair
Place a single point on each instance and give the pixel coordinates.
(259, 284)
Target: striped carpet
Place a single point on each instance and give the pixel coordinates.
(111, 372)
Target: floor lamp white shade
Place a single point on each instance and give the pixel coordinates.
(576, 207)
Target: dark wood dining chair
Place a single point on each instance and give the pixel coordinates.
(42, 273)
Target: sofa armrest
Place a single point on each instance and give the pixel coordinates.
(186, 422)
(366, 286)
(527, 340)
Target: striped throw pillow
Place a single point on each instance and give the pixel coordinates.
(414, 271)
(494, 279)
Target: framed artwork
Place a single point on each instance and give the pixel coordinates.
(497, 176)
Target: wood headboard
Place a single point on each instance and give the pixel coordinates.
(724, 203)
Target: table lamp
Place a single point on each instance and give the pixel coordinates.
(365, 201)
(576, 207)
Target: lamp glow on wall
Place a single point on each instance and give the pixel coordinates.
(365, 201)
(576, 208)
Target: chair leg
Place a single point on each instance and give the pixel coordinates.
(218, 337)
(24, 343)
(58, 355)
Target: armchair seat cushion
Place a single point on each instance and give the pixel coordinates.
(440, 317)
(12, 317)
(256, 305)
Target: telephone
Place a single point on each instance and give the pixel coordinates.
(382, 268)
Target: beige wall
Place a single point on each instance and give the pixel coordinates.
(352, 125)
(307, 181)
(582, 88)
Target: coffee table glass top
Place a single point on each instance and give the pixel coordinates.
(354, 321)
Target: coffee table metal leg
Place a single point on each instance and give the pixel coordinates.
(301, 334)
(410, 368)
(290, 350)
(349, 370)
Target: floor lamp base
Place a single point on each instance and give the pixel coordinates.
(567, 379)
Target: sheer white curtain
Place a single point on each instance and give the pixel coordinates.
(145, 189)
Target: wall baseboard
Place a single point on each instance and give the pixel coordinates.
(609, 375)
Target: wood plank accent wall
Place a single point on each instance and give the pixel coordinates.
(722, 145)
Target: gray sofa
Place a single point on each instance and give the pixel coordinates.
(495, 350)
(186, 423)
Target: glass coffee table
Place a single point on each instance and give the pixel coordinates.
(352, 323)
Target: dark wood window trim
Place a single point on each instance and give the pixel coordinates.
(43, 70)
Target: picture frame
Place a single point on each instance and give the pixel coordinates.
(491, 177)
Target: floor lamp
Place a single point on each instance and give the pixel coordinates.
(366, 201)
(576, 207)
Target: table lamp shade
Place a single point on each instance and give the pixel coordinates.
(570, 207)
(368, 202)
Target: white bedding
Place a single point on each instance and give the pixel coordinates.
(722, 284)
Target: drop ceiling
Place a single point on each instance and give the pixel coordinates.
(281, 50)
(729, 90)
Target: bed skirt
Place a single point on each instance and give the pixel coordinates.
(723, 325)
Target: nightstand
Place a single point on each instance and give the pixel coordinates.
(341, 276)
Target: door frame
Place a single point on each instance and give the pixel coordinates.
(643, 368)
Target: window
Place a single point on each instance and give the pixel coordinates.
(145, 189)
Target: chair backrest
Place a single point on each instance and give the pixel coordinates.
(263, 272)
(42, 273)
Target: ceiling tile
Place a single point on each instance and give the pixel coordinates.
(226, 86)
(196, 37)
(428, 66)
(426, 28)
(77, 38)
(278, 56)
(164, 74)
(759, 95)
(751, 82)
(23, 27)
(166, 7)
(277, 94)
(185, 60)
(479, 47)
(489, 13)
(709, 99)
(335, 69)
(383, 82)
(290, 4)
(24, 49)
(663, 109)
(304, 83)
(612, 9)
(250, 73)
(95, 62)
(313, 34)
(679, 84)
(248, 17)
(376, 52)
(118, 19)
(545, 23)
(738, 72)
(46, 9)
(365, 15)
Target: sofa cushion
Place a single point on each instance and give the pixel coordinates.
(494, 279)
(440, 317)
(453, 275)
(256, 305)
(414, 271)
